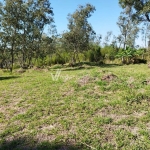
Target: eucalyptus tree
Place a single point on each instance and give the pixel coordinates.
(22, 24)
(120, 40)
(48, 45)
(141, 9)
(38, 14)
(107, 38)
(145, 30)
(41, 16)
(80, 33)
(10, 25)
(128, 27)
(114, 41)
(4, 56)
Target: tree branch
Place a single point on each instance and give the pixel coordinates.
(147, 17)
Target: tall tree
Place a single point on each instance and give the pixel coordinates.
(80, 31)
(22, 24)
(128, 27)
(107, 38)
(141, 8)
(145, 33)
(38, 14)
(10, 25)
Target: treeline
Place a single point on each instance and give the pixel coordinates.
(24, 43)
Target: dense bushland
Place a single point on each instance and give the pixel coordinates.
(25, 42)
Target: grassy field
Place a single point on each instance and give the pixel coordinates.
(81, 108)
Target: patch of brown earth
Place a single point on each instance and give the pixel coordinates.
(21, 70)
(112, 128)
(148, 126)
(107, 112)
(37, 68)
(130, 82)
(109, 77)
(146, 82)
(85, 80)
(47, 127)
(68, 93)
(102, 71)
(148, 64)
(45, 137)
(139, 114)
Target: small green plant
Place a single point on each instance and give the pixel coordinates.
(136, 98)
(103, 120)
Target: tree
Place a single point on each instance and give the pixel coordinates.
(10, 26)
(107, 38)
(48, 45)
(80, 32)
(38, 14)
(130, 55)
(109, 52)
(22, 26)
(128, 27)
(120, 40)
(141, 8)
(94, 54)
(145, 33)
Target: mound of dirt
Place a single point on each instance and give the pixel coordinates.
(130, 82)
(109, 77)
(68, 93)
(37, 68)
(148, 64)
(21, 70)
(40, 69)
(102, 71)
(146, 82)
(85, 80)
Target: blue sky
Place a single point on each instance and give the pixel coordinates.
(102, 20)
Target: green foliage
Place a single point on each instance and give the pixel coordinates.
(103, 120)
(129, 54)
(24, 42)
(129, 28)
(94, 54)
(80, 31)
(109, 52)
(141, 8)
(22, 25)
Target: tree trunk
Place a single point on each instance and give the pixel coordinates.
(78, 57)
(124, 46)
(12, 57)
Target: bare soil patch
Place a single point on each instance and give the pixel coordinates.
(109, 77)
(85, 80)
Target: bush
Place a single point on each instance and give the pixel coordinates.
(91, 56)
(94, 54)
(139, 61)
(109, 52)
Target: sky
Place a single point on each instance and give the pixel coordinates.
(102, 20)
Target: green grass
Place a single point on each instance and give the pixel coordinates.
(78, 111)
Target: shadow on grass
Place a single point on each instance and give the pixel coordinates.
(9, 77)
(89, 65)
(77, 68)
(27, 143)
(110, 65)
